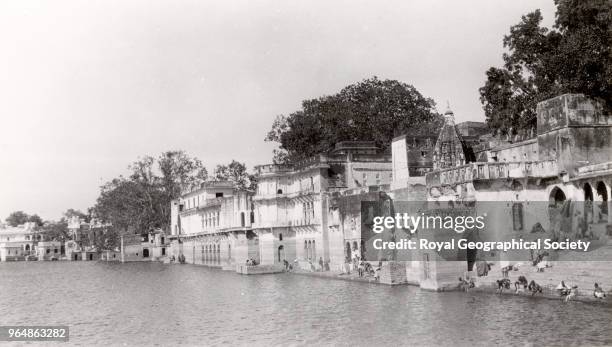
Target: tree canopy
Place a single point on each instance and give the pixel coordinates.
(236, 172)
(56, 231)
(370, 110)
(19, 217)
(141, 202)
(575, 56)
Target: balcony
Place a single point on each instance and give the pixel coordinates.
(490, 171)
(336, 183)
(271, 224)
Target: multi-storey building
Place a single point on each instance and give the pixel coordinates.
(286, 220)
(567, 162)
(18, 242)
(212, 226)
(294, 217)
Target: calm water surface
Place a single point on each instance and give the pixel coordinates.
(156, 304)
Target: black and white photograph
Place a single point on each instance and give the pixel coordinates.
(305, 173)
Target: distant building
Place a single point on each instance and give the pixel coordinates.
(16, 243)
(49, 250)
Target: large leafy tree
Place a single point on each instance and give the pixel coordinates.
(573, 57)
(19, 217)
(141, 202)
(237, 173)
(370, 110)
(56, 231)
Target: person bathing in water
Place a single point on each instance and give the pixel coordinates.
(598, 292)
(534, 288)
(521, 284)
(503, 284)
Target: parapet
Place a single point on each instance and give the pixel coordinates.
(570, 110)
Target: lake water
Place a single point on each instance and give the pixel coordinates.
(156, 304)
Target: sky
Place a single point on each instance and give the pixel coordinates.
(87, 87)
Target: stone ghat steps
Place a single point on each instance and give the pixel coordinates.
(573, 273)
(600, 253)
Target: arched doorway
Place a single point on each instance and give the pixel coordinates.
(281, 253)
(145, 253)
(556, 198)
(27, 247)
(588, 203)
(602, 194)
(588, 192)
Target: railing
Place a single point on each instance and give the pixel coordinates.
(272, 224)
(204, 204)
(336, 183)
(488, 171)
(307, 221)
(291, 194)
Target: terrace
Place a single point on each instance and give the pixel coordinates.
(490, 171)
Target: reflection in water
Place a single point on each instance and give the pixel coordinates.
(152, 303)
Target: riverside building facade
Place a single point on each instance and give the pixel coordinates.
(288, 218)
(567, 161)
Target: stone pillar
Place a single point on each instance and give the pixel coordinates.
(240, 248)
(393, 272)
(267, 250)
(122, 251)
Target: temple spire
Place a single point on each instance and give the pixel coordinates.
(449, 116)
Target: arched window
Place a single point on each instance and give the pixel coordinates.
(280, 237)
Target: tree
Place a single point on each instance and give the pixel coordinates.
(574, 57)
(17, 218)
(370, 110)
(107, 238)
(236, 172)
(179, 172)
(70, 213)
(141, 202)
(36, 220)
(56, 231)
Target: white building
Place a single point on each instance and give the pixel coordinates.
(18, 242)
